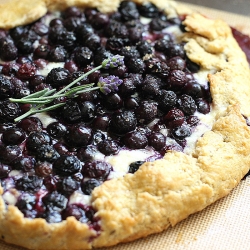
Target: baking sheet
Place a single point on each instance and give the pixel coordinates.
(221, 226)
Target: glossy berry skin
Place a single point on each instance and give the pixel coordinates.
(36, 140)
(88, 110)
(166, 99)
(4, 170)
(10, 154)
(174, 118)
(87, 153)
(181, 132)
(58, 77)
(148, 10)
(108, 147)
(157, 140)
(123, 122)
(89, 185)
(29, 183)
(96, 169)
(128, 11)
(75, 210)
(67, 165)
(55, 201)
(9, 111)
(56, 130)
(68, 185)
(6, 87)
(134, 166)
(78, 135)
(30, 124)
(187, 104)
(47, 153)
(135, 140)
(83, 56)
(13, 136)
(146, 112)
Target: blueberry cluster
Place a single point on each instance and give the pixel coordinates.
(157, 93)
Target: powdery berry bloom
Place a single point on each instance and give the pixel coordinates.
(109, 84)
(113, 62)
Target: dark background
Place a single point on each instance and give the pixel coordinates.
(236, 6)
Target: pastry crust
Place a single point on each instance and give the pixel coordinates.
(164, 192)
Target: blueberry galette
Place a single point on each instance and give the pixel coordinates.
(117, 119)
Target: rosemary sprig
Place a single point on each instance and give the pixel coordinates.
(39, 99)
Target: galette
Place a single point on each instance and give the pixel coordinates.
(118, 119)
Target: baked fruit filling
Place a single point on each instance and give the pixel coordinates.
(153, 101)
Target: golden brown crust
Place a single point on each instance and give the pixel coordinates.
(164, 192)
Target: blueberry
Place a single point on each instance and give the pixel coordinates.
(100, 20)
(163, 44)
(157, 24)
(66, 165)
(55, 201)
(72, 23)
(6, 87)
(26, 71)
(89, 185)
(181, 132)
(146, 112)
(157, 140)
(82, 56)
(57, 54)
(13, 136)
(108, 147)
(176, 63)
(58, 77)
(29, 183)
(26, 203)
(136, 65)
(128, 87)
(174, 118)
(166, 99)
(112, 101)
(187, 104)
(36, 140)
(151, 85)
(128, 10)
(10, 154)
(88, 110)
(96, 169)
(192, 120)
(129, 52)
(26, 164)
(193, 89)
(68, 185)
(134, 166)
(87, 153)
(144, 48)
(202, 106)
(56, 130)
(9, 111)
(177, 79)
(175, 50)
(115, 44)
(43, 168)
(98, 137)
(52, 216)
(123, 122)
(135, 140)
(101, 122)
(92, 41)
(8, 51)
(78, 135)
(75, 210)
(100, 55)
(47, 153)
(148, 10)
(4, 170)
(30, 124)
(71, 112)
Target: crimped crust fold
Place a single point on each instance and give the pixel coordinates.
(164, 192)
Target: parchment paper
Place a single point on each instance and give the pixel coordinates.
(222, 226)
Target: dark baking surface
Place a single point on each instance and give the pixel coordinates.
(237, 6)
